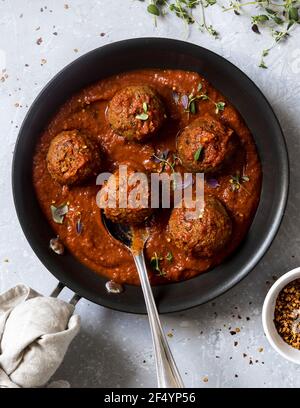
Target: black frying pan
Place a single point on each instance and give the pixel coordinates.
(237, 87)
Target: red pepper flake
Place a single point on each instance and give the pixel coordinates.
(39, 41)
(287, 314)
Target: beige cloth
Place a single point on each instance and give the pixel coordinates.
(35, 333)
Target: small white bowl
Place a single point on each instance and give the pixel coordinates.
(284, 349)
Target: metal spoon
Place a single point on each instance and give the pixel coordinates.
(167, 372)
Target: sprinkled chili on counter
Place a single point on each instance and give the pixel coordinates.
(287, 314)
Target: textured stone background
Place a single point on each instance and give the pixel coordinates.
(114, 349)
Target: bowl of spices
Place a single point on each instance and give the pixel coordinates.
(281, 316)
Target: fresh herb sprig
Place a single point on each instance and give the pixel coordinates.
(237, 181)
(278, 16)
(156, 260)
(166, 163)
(155, 264)
(184, 10)
(144, 115)
(192, 98)
(198, 153)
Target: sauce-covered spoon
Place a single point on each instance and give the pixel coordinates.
(167, 372)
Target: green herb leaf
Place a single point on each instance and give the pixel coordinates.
(198, 153)
(145, 107)
(153, 9)
(260, 18)
(169, 257)
(199, 87)
(237, 180)
(204, 97)
(142, 116)
(293, 14)
(155, 264)
(193, 107)
(210, 29)
(58, 213)
(270, 11)
(265, 53)
(220, 106)
(263, 65)
(278, 20)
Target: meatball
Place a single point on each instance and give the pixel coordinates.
(136, 194)
(136, 112)
(202, 236)
(205, 145)
(72, 157)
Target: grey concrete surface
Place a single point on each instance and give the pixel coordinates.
(114, 349)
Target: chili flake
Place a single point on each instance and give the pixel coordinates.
(287, 314)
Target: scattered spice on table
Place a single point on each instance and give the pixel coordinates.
(287, 314)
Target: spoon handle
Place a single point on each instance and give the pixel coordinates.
(167, 372)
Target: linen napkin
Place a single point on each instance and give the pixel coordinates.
(35, 333)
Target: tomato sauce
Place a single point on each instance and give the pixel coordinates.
(93, 246)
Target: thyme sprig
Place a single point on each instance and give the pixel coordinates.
(184, 10)
(156, 260)
(192, 98)
(237, 181)
(167, 163)
(155, 264)
(279, 16)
